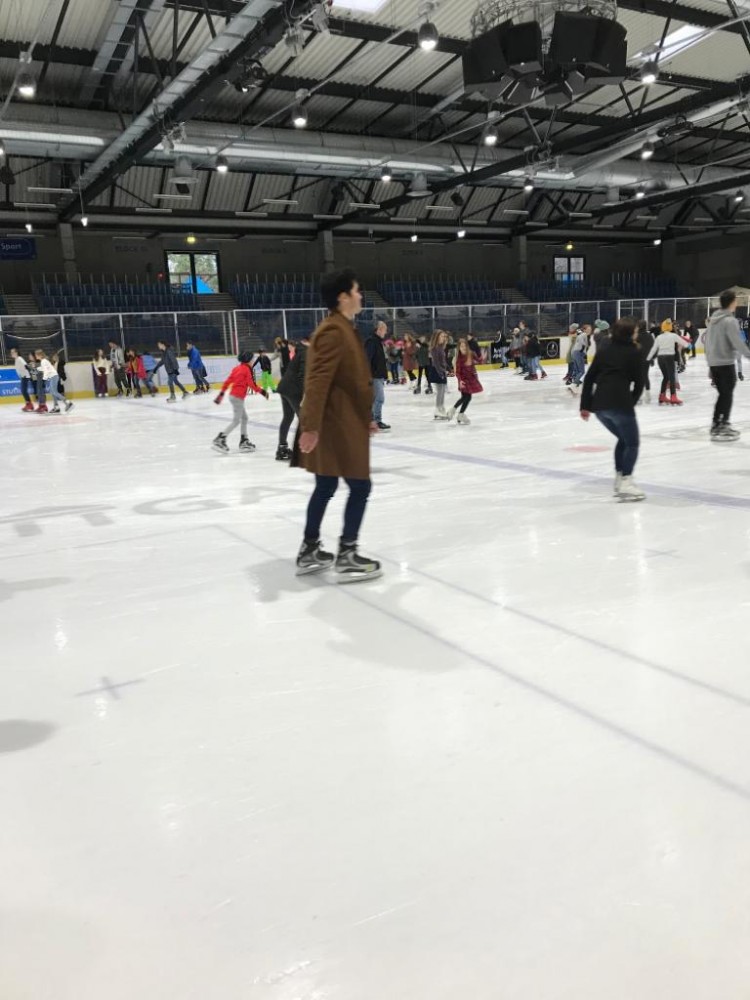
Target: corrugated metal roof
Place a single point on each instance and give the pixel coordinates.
(228, 193)
(413, 70)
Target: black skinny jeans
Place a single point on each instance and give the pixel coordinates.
(725, 379)
(290, 410)
(325, 487)
(463, 402)
(668, 377)
(422, 371)
(647, 377)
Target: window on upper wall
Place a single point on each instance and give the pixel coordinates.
(569, 270)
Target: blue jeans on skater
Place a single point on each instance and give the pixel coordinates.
(579, 366)
(533, 367)
(173, 381)
(378, 398)
(325, 487)
(624, 426)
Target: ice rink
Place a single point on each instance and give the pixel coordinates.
(517, 767)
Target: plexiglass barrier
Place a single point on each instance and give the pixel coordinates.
(221, 333)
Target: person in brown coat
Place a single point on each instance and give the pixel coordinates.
(335, 430)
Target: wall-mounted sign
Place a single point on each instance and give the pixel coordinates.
(20, 248)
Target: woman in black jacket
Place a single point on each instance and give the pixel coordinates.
(291, 389)
(611, 389)
(645, 340)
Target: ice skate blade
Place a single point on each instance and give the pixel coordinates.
(309, 570)
(352, 578)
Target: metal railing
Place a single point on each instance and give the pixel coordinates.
(79, 335)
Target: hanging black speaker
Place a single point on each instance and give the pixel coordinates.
(484, 62)
(574, 39)
(610, 60)
(522, 44)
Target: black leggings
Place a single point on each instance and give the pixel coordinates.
(667, 376)
(725, 379)
(422, 371)
(463, 402)
(647, 377)
(290, 410)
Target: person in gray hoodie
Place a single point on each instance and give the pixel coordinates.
(723, 345)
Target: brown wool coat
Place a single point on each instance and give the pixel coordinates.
(337, 401)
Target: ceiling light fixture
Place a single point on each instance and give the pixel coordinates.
(657, 241)
(26, 81)
(2, 149)
(84, 221)
(569, 245)
(649, 73)
(386, 175)
(418, 187)
(29, 228)
(739, 197)
(222, 165)
(490, 136)
(428, 36)
(528, 185)
(640, 193)
(191, 238)
(414, 237)
(299, 112)
(647, 151)
(461, 233)
(294, 40)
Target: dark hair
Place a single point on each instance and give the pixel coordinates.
(623, 329)
(245, 358)
(727, 298)
(335, 284)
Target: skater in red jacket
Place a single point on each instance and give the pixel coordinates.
(241, 381)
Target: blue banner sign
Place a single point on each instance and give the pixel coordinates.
(10, 384)
(19, 248)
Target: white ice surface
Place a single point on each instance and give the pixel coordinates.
(515, 768)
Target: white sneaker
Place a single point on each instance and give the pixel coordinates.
(463, 419)
(628, 491)
(618, 481)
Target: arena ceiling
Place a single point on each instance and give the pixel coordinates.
(136, 99)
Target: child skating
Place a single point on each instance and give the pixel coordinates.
(468, 381)
(241, 381)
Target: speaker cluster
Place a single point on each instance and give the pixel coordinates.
(508, 62)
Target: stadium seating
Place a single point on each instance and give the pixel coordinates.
(436, 291)
(644, 286)
(74, 297)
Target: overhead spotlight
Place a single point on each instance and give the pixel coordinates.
(299, 112)
(294, 40)
(319, 18)
(191, 238)
(461, 233)
(386, 175)
(26, 85)
(222, 165)
(2, 150)
(528, 185)
(84, 221)
(418, 187)
(428, 36)
(739, 197)
(657, 241)
(414, 237)
(569, 245)
(647, 151)
(491, 136)
(29, 228)
(649, 73)
(640, 193)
